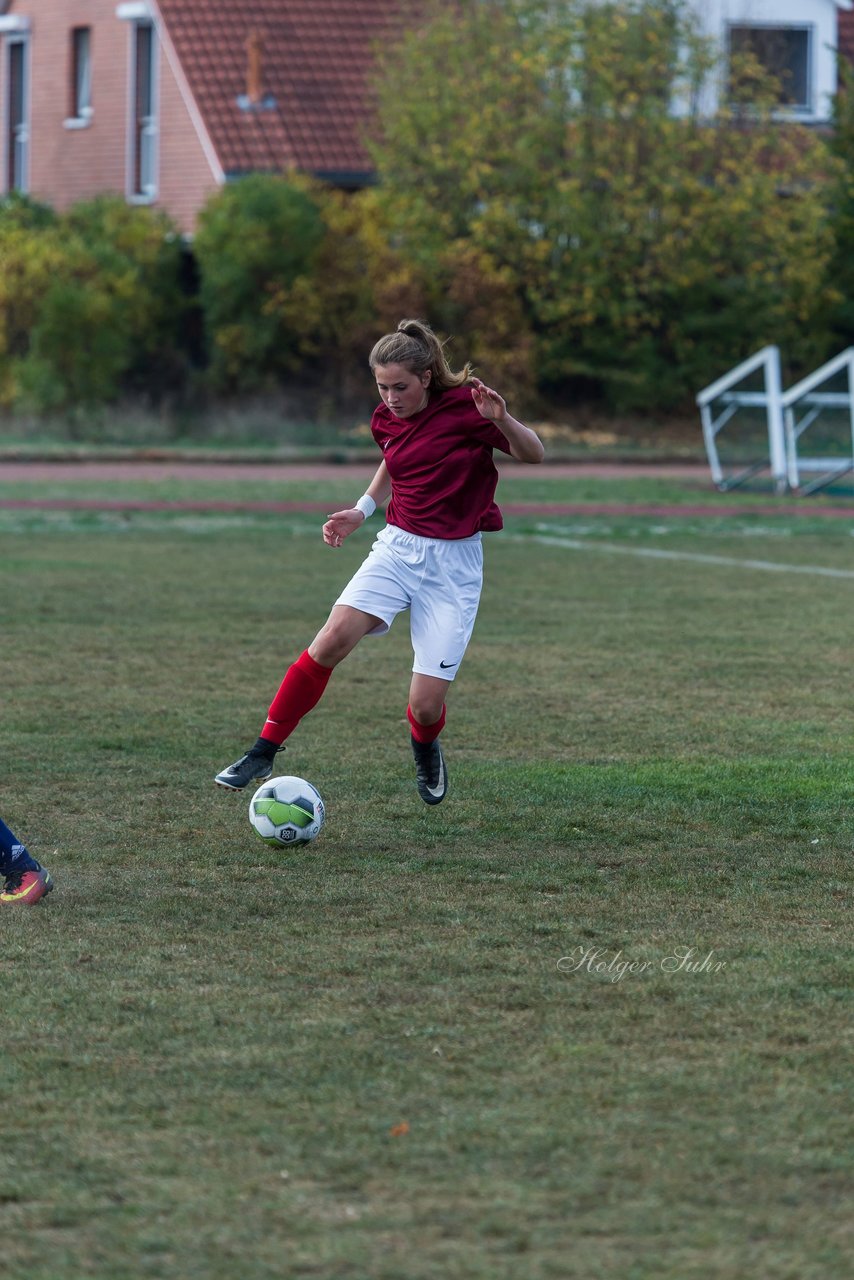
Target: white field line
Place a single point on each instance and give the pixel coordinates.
(694, 557)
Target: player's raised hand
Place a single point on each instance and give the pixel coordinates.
(488, 403)
(340, 525)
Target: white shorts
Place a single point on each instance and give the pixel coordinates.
(438, 580)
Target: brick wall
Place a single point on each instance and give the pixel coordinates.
(845, 33)
(69, 164)
(188, 170)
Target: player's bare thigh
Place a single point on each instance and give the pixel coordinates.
(340, 634)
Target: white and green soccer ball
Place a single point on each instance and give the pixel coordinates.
(286, 812)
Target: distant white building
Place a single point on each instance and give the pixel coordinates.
(796, 40)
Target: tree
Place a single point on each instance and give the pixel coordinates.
(842, 206)
(648, 248)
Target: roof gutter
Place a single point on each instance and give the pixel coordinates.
(351, 179)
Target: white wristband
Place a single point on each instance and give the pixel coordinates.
(366, 505)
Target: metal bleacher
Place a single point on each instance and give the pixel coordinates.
(751, 426)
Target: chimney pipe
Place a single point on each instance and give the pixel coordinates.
(254, 86)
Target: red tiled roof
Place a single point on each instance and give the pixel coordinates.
(315, 60)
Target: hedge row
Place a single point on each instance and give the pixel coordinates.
(578, 236)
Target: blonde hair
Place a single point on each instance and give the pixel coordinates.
(416, 347)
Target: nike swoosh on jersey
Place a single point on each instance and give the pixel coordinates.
(446, 665)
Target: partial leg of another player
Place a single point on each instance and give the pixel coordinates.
(25, 880)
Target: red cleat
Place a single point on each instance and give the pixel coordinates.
(27, 886)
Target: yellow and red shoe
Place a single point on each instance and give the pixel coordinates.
(27, 886)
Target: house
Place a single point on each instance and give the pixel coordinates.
(796, 40)
(166, 100)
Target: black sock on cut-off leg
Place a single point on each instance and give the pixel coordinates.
(14, 856)
(264, 747)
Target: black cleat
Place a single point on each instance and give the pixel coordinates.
(431, 776)
(253, 767)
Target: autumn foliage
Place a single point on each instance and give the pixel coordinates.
(648, 246)
(551, 190)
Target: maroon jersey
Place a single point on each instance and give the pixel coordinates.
(443, 478)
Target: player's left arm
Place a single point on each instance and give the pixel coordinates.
(525, 444)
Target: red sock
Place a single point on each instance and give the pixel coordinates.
(301, 689)
(426, 732)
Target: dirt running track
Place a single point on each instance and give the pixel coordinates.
(288, 475)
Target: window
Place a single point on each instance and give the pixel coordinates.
(782, 52)
(16, 150)
(143, 119)
(81, 74)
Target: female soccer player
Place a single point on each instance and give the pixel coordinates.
(26, 880)
(437, 430)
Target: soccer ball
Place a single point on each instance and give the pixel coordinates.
(287, 811)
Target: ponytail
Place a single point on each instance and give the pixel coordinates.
(416, 347)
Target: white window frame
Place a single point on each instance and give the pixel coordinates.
(14, 24)
(16, 37)
(83, 112)
(783, 110)
(134, 11)
(142, 150)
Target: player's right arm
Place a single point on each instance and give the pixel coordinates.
(380, 487)
(342, 523)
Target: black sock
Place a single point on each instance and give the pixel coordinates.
(13, 855)
(264, 747)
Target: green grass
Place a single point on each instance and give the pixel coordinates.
(379, 1059)
(518, 484)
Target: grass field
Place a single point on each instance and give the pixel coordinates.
(589, 1020)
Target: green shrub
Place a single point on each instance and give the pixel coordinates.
(90, 304)
(30, 261)
(80, 346)
(141, 260)
(19, 210)
(256, 243)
